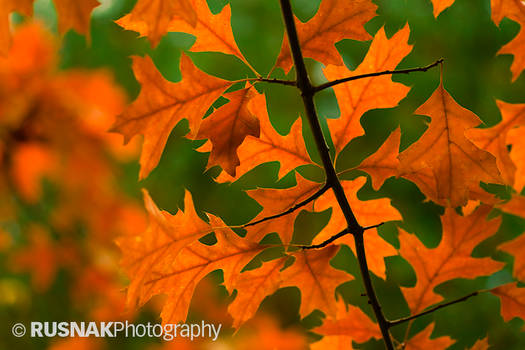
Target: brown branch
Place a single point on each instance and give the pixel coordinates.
(334, 237)
(307, 94)
(368, 75)
(435, 308)
(316, 195)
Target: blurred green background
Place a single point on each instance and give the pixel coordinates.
(463, 35)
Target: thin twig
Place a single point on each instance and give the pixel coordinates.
(316, 195)
(268, 80)
(373, 226)
(368, 75)
(327, 242)
(435, 308)
(334, 237)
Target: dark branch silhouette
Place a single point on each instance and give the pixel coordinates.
(368, 75)
(334, 237)
(435, 308)
(307, 93)
(269, 80)
(316, 195)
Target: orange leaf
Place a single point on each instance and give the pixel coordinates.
(359, 96)
(276, 201)
(512, 301)
(368, 213)
(451, 259)
(227, 128)
(516, 248)
(265, 333)
(289, 150)
(517, 154)
(351, 324)
(446, 155)
(481, 344)
(213, 32)
(441, 5)
(383, 163)
(230, 254)
(151, 18)
(335, 20)
(515, 10)
(252, 287)
(75, 14)
(516, 206)
(150, 253)
(494, 139)
(24, 7)
(316, 279)
(162, 104)
(422, 340)
(159, 265)
(516, 47)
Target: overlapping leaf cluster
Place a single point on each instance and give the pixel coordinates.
(450, 164)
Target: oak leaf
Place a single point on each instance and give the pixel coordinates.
(422, 340)
(514, 10)
(359, 96)
(75, 14)
(289, 150)
(71, 14)
(512, 299)
(227, 127)
(515, 248)
(151, 18)
(335, 20)
(495, 140)
(276, 201)
(167, 259)
(213, 32)
(230, 254)
(350, 324)
(162, 104)
(316, 279)
(383, 163)
(451, 259)
(440, 5)
(452, 163)
(252, 287)
(149, 253)
(515, 206)
(517, 154)
(24, 7)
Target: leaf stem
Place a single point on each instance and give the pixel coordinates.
(307, 94)
(316, 195)
(435, 308)
(368, 75)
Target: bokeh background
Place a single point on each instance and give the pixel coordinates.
(60, 217)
